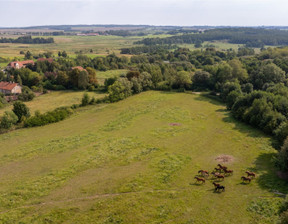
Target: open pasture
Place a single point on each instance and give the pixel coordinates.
(101, 76)
(54, 99)
(101, 45)
(134, 162)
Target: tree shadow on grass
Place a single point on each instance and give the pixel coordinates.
(244, 183)
(267, 178)
(196, 184)
(218, 192)
(210, 99)
(246, 128)
(240, 126)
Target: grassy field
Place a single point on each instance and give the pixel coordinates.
(54, 99)
(219, 45)
(101, 76)
(134, 162)
(101, 45)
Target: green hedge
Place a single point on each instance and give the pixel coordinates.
(49, 117)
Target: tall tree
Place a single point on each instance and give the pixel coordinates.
(21, 110)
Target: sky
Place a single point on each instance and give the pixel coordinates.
(22, 13)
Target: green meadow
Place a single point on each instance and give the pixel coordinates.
(101, 75)
(100, 45)
(54, 99)
(134, 162)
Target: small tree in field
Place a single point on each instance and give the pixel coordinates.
(21, 110)
(8, 120)
(85, 100)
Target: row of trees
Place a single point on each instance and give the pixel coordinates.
(251, 37)
(28, 40)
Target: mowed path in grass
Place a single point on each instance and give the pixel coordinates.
(54, 99)
(125, 163)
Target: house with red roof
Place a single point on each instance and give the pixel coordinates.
(10, 88)
(19, 64)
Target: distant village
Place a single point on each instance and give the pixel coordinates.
(8, 88)
(13, 88)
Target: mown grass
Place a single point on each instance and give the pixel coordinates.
(54, 99)
(125, 163)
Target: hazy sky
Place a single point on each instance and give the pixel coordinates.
(17, 13)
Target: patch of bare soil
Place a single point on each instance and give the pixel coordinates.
(175, 124)
(282, 175)
(225, 159)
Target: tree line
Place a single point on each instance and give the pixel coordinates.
(28, 40)
(251, 37)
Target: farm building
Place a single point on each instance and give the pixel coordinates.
(10, 88)
(19, 64)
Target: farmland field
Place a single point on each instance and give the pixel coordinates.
(101, 45)
(134, 162)
(54, 99)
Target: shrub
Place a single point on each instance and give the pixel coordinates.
(231, 98)
(8, 120)
(164, 85)
(21, 110)
(91, 88)
(85, 100)
(74, 106)
(27, 94)
(284, 217)
(120, 90)
(92, 101)
(49, 117)
(110, 81)
(282, 157)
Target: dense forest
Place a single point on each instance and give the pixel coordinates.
(251, 37)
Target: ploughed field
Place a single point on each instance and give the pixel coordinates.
(134, 162)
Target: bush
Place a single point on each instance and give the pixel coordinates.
(231, 98)
(92, 101)
(85, 100)
(282, 157)
(8, 120)
(49, 117)
(110, 81)
(91, 88)
(74, 106)
(38, 89)
(27, 94)
(284, 217)
(120, 90)
(21, 110)
(164, 85)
